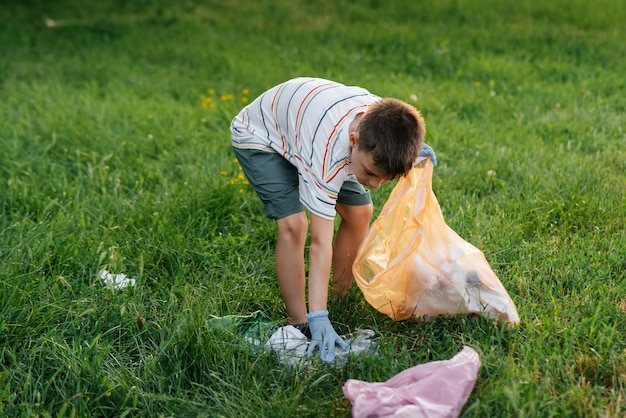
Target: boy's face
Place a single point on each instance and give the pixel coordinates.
(362, 166)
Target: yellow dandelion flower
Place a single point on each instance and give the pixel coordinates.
(207, 102)
(226, 97)
(241, 191)
(211, 91)
(223, 173)
(477, 84)
(245, 92)
(244, 100)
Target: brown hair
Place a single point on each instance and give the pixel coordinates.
(392, 131)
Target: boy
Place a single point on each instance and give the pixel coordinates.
(315, 142)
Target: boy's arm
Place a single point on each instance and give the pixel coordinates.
(323, 335)
(320, 259)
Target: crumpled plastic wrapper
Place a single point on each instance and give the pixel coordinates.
(438, 389)
(116, 281)
(290, 346)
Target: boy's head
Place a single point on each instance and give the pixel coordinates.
(392, 132)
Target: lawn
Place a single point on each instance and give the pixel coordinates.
(115, 154)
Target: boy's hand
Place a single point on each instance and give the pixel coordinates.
(323, 336)
(427, 151)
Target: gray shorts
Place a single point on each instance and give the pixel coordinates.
(276, 182)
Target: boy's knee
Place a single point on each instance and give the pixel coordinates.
(356, 214)
(367, 211)
(294, 226)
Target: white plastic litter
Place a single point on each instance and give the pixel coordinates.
(116, 281)
(290, 346)
(361, 344)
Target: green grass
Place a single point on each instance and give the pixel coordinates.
(109, 160)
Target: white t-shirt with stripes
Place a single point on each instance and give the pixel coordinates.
(306, 120)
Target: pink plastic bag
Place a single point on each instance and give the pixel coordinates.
(412, 264)
(435, 389)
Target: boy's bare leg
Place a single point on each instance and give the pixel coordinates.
(292, 232)
(350, 234)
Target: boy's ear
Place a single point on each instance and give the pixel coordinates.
(354, 138)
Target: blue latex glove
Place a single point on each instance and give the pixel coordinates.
(427, 151)
(323, 336)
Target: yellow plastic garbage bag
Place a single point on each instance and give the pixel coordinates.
(412, 264)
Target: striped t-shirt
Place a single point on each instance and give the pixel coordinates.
(306, 120)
